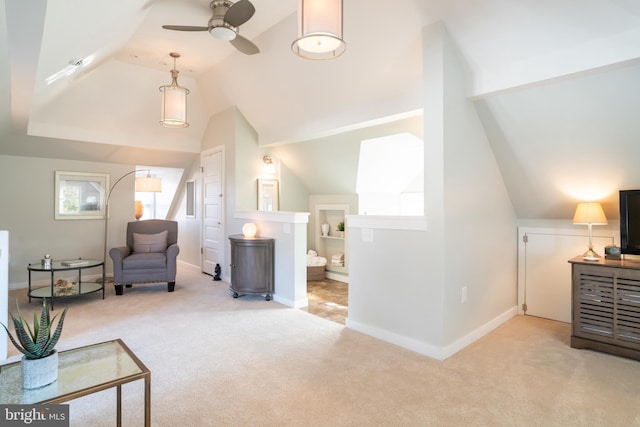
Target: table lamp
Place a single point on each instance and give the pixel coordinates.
(590, 213)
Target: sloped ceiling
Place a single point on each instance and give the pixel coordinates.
(555, 83)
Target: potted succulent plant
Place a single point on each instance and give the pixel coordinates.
(37, 344)
(340, 228)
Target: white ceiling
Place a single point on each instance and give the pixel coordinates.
(521, 57)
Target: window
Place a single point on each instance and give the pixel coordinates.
(80, 195)
(157, 205)
(391, 176)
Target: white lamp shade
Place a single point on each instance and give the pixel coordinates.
(249, 230)
(148, 185)
(590, 213)
(319, 29)
(174, 106)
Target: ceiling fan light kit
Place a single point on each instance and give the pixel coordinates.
(319, 30)
(224, 33)
(224, 24)
(174, 100)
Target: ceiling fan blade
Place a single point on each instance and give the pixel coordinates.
(184, 28)
(239, 13)
(245, 46)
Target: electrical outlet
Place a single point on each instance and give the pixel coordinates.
(463, 295)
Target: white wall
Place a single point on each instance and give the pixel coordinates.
(189, 235)
(221, 131)
(407, 275)
(248, 163)
(390, 294)
(480, 223)
(28, 188)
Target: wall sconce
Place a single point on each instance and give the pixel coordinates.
(249, 230)
(269, 167)
(319, 30)
(590, 213)
(174, 100)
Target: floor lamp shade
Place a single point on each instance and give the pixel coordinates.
(319, 29)
(148, 185)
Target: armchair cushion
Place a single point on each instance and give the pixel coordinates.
(142, 261)
(150, 242)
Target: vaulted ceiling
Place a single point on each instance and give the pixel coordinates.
(556, 83)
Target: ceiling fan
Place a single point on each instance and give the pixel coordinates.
(225, 20)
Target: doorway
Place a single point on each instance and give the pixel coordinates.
(328, 299)
(212, 210)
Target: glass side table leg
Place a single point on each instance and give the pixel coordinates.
(29, 286)
(103, 284)
(51, 288)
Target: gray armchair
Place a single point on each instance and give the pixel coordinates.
(149, 257)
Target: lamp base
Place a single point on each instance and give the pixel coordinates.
(590, 255)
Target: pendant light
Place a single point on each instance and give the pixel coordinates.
(319, 30)
(174, 100)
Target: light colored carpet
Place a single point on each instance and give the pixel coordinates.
(219, 361)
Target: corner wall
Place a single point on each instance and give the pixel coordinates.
(480, 243)
(407, 273)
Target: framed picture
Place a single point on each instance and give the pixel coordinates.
(80, 195)
(268, 199)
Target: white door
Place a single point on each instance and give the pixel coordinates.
(212, 211)
(544, 271)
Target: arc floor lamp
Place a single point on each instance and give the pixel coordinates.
(146, 184)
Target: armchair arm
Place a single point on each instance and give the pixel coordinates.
(172, 255)
(117, 255)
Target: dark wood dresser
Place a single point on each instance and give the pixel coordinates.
(606, 306)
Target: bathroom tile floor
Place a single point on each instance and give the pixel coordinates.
(328, 299)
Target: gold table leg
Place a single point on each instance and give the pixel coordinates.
(119, 406)
(147, 401)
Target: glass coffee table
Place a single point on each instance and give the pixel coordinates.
(82, 371)
(53, 291)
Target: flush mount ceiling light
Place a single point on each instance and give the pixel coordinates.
(219, 28)
(174, 100)
(319, 30)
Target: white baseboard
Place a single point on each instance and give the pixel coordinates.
(299, 303)
(336, 276)
(189, 266)
(427, 349)
(459, 344)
